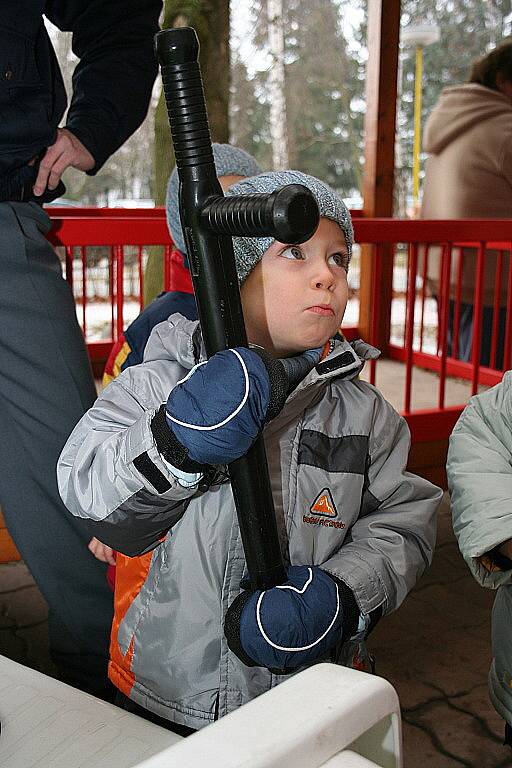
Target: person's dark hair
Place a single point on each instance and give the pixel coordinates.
(498, 61)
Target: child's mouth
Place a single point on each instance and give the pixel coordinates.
(322, 309)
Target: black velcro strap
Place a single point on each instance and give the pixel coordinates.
(279, 384)
(232, 633)
(338, 362)
(232, 628)
(151, 472)
(349, 607)
(170, 447)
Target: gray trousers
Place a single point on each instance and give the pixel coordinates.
(45, 387)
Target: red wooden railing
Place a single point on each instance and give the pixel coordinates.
(409, 243)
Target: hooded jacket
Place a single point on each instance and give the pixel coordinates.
(335, 435)
(468, 173)
(480, 479)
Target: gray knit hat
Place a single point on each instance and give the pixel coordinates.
(249, 250)
(229, 161)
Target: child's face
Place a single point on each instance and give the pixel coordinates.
(295, 297)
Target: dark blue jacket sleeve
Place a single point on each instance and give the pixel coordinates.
(113, 80)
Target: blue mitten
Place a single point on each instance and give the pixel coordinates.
(219, 409)
(293, 624)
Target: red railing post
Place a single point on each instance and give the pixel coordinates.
(445, 315)
(496, 309)
(409, 313)
(477, 318)
(376, 307)
(456, 313)
(167, 267)
(424, 278)
(508, 322)
(119, 259)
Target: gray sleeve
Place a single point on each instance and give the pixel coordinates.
(392, 543)
(102, 471)
(138, 525)
(480, 480)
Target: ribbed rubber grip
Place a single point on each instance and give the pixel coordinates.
(177, 51)
(289, 215)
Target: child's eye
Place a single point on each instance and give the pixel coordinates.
(339, 260)
(292, 252)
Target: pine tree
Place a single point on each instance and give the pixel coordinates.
(324, 88)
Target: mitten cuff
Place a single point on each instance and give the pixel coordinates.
(350, 608)
(232, 627)
(170, 447)
(279, 384)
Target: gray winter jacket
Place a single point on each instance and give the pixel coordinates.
(480, 479)
(335, 432)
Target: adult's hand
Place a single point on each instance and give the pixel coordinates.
(65, 152)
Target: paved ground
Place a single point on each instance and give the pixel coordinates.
(435, 650)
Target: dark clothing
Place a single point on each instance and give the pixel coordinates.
(45, 387)
(111, 84)
(45, 377)
(465, 334)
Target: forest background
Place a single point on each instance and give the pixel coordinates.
(324, 63)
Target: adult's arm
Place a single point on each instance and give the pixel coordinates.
(113, 80)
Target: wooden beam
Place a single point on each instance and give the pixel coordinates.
(379, 171)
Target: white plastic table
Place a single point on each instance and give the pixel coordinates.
(325, 717)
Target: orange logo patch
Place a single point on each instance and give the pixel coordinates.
(324, 504)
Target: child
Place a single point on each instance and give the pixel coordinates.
(480, 479)
(356, 530)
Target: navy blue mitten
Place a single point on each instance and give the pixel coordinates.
(293, 624)
(218, 411)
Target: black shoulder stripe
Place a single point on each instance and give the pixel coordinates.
(346, 453)
(151, 472)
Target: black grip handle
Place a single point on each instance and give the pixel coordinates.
(216, 284)
(178, 51)
(289, 215)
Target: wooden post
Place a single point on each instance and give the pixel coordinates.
(379, 171)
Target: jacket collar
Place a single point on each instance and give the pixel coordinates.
(180, 339)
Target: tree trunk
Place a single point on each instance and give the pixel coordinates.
(211, 22)
(278, 122)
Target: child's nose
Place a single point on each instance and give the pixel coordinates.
(323, 276)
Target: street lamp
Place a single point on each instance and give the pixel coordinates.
(418, 35)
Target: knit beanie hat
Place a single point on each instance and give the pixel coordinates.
(229, 161)
(249, 250)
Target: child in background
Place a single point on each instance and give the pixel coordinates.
(479, 472)
(356, 530)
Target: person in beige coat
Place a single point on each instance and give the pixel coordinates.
(469, 175)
